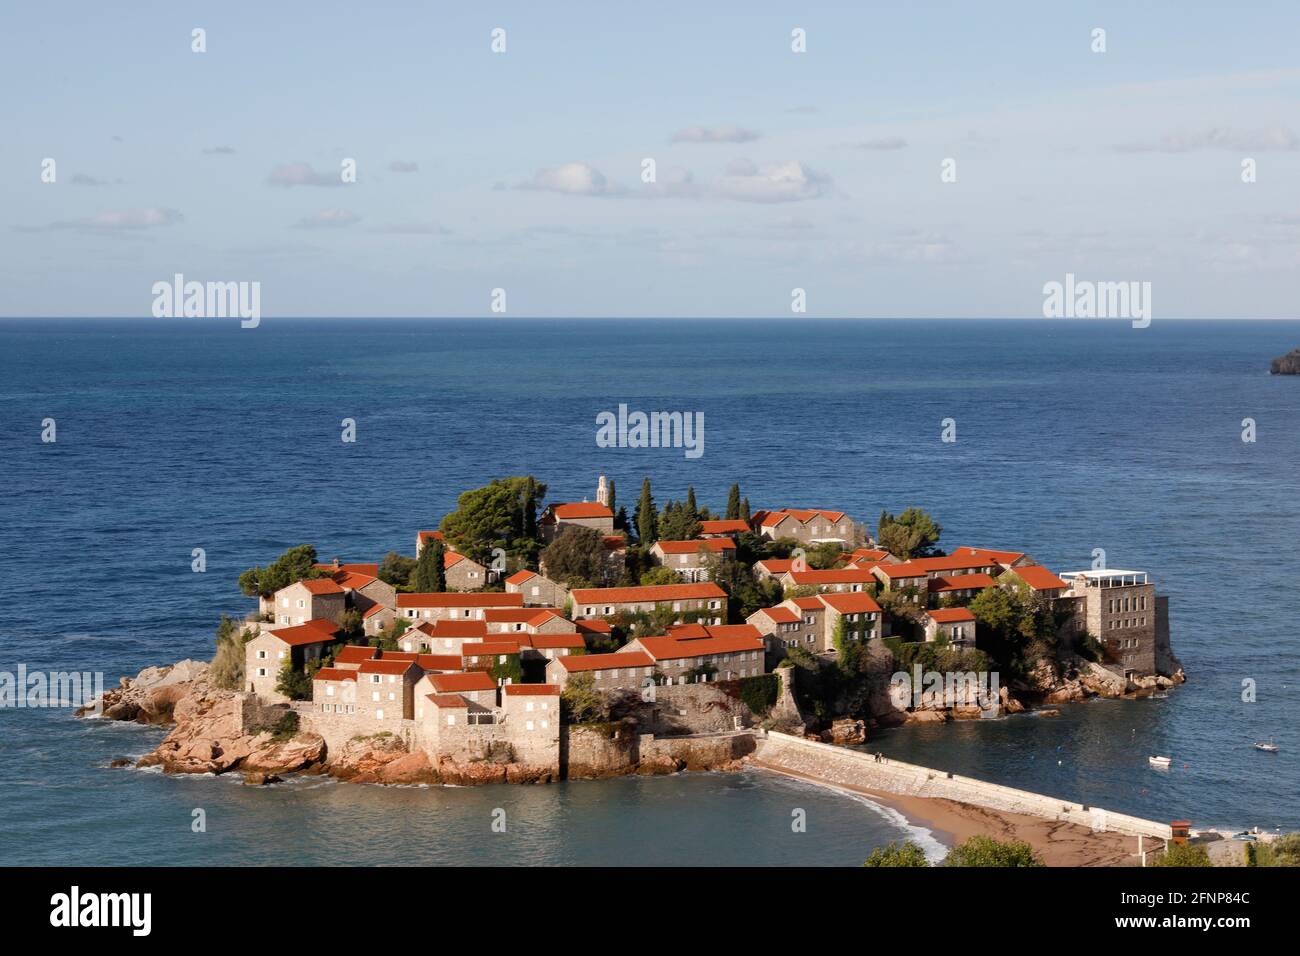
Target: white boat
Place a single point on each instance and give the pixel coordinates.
(1268, 748)
(1161, 762)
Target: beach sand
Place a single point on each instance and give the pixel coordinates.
(1057, 843)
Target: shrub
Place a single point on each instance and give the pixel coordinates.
(759, 693)
(227, 668)
(286, 727)
(909, 854)
(986, 851)
(1184, 854)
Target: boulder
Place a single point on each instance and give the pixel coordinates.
(152, 695)
(1288, 364)
(927, 717)
(847, 731)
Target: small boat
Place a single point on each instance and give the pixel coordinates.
(1161, 762)
(1268, 748)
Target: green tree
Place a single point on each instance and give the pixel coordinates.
(293, 681)
(430, 575)
(660, 575)
(581, 702)
(1184, 854)
(647, 518)
(913, 534)
(296, 564)
(894, 854)
(227, 668)
(744, 511)
(733, 503)
(577, 558)
(612, 504)
(501, 514)
(986, 851)
(396, 570)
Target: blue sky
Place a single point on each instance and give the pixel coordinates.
(775, 170)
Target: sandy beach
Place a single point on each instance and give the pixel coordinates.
(1059, 844)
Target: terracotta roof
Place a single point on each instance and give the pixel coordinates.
(997, 557)
(461, 683)
(520, 615)
(580, 509)
(314, 631)
(576, 663)
(780, 614)
(363, 567)
(833, 576)
(613, 542)
(652, 592)
(451, 559)
(334, 673)
(386, 665)
(776, 565)
(430, 535)
(460, 599)
(810, 603)
(352, 580)
(868, 554)
(852, 602)
(731, 526)
(925, 566)
(354, 654)
(532, 690)
(458, 629)
(1038, 577)
(695, 632)
(488, 649)
(439, 662)
(963, 582)
(950, 615)
(768, 519)
(375, 610)
(593, 625)
(446, 701)
(519, 577)
(693, 547)
(321, 586)
(669, 648)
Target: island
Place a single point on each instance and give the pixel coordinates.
(1288, 364)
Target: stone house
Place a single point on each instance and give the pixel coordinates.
(833, 579)
(453, 605)
(682, 598)
(334, 690)
(582, 514)
(1042, 582)
(310, 600)
(551, 646)
(1120, 609)
(365, 591)
(704, 659)
(532, 715)
(538, 591)
(477, 687)
(442, 637)
(487, 655)
(462, 573)
(772, 567)
(377, 619)
(956, 625)
(528, 620)
(1003, 559)
(808, 526)
(957, 588)
(266, 653)
(621, 670)
(693, 560)
(385, 688)
(860, 613)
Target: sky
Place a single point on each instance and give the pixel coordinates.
(774, 170)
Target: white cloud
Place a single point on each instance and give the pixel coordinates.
(727, 133)
(573, 179)
(1183, 141)
(112, 221)
(329, 219)
(301, 174)
(778, 182)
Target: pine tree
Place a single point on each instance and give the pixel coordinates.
(647, 520)
(733, 503)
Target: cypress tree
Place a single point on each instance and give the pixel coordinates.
(429, 573)
(647, 521)
(744, 511)
(613, 498)
(733, 503)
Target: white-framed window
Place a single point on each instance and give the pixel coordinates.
(261, 655)
(379, 715)
(261, 672)
(528, 725)
(329, 690)
(375, 696)
(545, 724)
(451, 720)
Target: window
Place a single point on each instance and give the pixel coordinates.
(261, 672)
(379, 715)
(329, 690)
(528, 706)
(374, 678)
(545, 724)
(451, 720)
(528, 725)
(375, 696)
(261, 655)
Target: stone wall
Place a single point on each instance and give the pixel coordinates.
(838, 766)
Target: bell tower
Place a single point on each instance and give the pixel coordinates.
(602, 492)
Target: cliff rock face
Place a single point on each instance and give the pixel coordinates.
(1288, 364)
(151, 696)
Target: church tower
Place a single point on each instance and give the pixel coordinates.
(602, 492)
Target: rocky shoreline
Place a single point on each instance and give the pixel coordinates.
(219, 731)
(1288, 364)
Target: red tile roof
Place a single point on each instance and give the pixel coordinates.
(715, 545)
(375, 610)
(430, 535)
(461, 683)
(925, 566)
(695, 632)
(488, 649)
(387, 665)
(460, 599)
(768, 519)
(732, 526)
(776, 565)
(593, 625)
(996, 557)
(1038, 577)
(647, 593)
(550, 642)
(334, 673)
(352, 580)
(321, 586)
(780, 614)
(439, 662)
(810, 603)
(833, 576)
(519, 577)
(577, 663)
(852, 602)
(669, 649)
(315, 631)
(354, 654)
(519, 615)
(352, 566)
(532, 690)
(580, 509)
(962, 582)
(447, 701)
(458, 629)
(950, 615)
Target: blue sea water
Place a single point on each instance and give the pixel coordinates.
(179, 434)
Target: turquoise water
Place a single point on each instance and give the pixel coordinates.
(174, 435)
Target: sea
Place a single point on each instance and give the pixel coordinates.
(1070, 436)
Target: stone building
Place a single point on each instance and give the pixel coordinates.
(310, 600)
(717, 656)
(956, 625)
(442, 637)
(266, 653)
(583, 514)
(537, 591)
(682, 598)
(621, 670)
(957, 588)
(1120, 609)
(832, 579)
(693, 560)
(453, 605)
(809, 526)
(384, 689)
